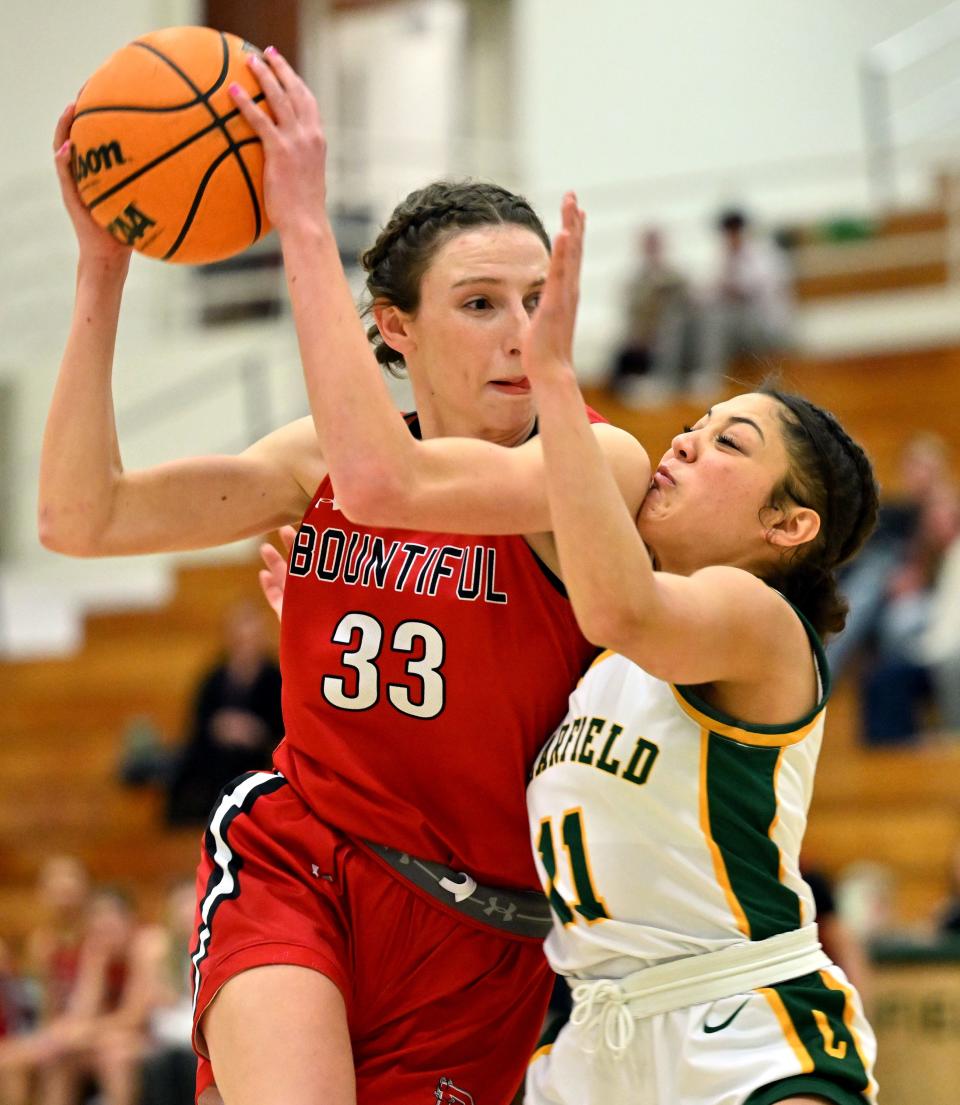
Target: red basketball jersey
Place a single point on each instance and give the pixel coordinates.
(421, 674)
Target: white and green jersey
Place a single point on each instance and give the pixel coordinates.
(662, 828)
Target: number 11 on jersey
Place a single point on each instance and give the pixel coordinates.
(588, 903)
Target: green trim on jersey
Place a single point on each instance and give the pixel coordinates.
(714, 713)
(805, 1084)
(742, 806)
(801, 998)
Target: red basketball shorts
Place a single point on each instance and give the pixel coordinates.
(439, 1008)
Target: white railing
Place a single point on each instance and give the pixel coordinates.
(891, 119)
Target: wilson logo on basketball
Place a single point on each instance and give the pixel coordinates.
(95, 160)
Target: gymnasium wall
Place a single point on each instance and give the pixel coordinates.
(624, 90)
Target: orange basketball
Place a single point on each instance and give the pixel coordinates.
(161, 155)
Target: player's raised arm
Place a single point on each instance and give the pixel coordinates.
(88, 504)
(453, 480)
(668, 622)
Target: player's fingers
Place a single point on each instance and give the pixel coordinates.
(62, 130)
(260, 123)
(288, 534)
(272, 558)
(303, 101)
(270, 592)
(277, 97)
(68, 188)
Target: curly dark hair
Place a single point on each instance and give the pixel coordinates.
(418, 227)
(830, 473)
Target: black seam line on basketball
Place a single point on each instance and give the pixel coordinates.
(201, 188)
(199, 98)
(130, 109)
(201, 95)
(228, 137)
(163, 157)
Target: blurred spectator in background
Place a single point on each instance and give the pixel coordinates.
(948, 917)
(169, 1067)
(236, 721)
(916, 649)
(653, 359)
(52, 949)
(62, 1053)
(924, 474)
(14, 1019)
(865, 893)
(749, 308)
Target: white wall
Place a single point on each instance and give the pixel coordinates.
(627, 89)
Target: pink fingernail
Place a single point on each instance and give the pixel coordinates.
(270, 50)
(65, 146)
(234, 89)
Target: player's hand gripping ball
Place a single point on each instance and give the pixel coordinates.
(161, 156)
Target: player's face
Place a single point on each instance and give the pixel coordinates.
(476, 300)
(705, 503)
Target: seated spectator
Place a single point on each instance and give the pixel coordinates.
(60, 1053)
(898, 689)
(169, 1066)
(749, 308)
(652, 360)
(14, 1020)
(236, 721)
(865, 893)
(939, 645)
(924, 474)
(948, 916)
(52, 950)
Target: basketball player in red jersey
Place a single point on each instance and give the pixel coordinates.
(369, 925)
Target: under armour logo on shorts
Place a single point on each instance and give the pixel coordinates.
(505, 911)
(447, 1093)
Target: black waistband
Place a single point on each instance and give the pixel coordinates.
(520, 912)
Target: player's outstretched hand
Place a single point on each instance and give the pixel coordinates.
(549, 342)
(273, 578)
(96, 244)
(294, 142)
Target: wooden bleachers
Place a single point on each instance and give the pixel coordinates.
(903, 249)
(62, 723)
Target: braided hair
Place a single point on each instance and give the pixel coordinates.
(830, 473)
(418, 227)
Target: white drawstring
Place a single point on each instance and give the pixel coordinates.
(602, 1008)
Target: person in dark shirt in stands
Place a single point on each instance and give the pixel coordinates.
(236, 721)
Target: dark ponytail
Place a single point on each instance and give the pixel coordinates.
(418, 227)
(830, 473)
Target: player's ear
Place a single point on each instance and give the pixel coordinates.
(395, 327)
(797, 525)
